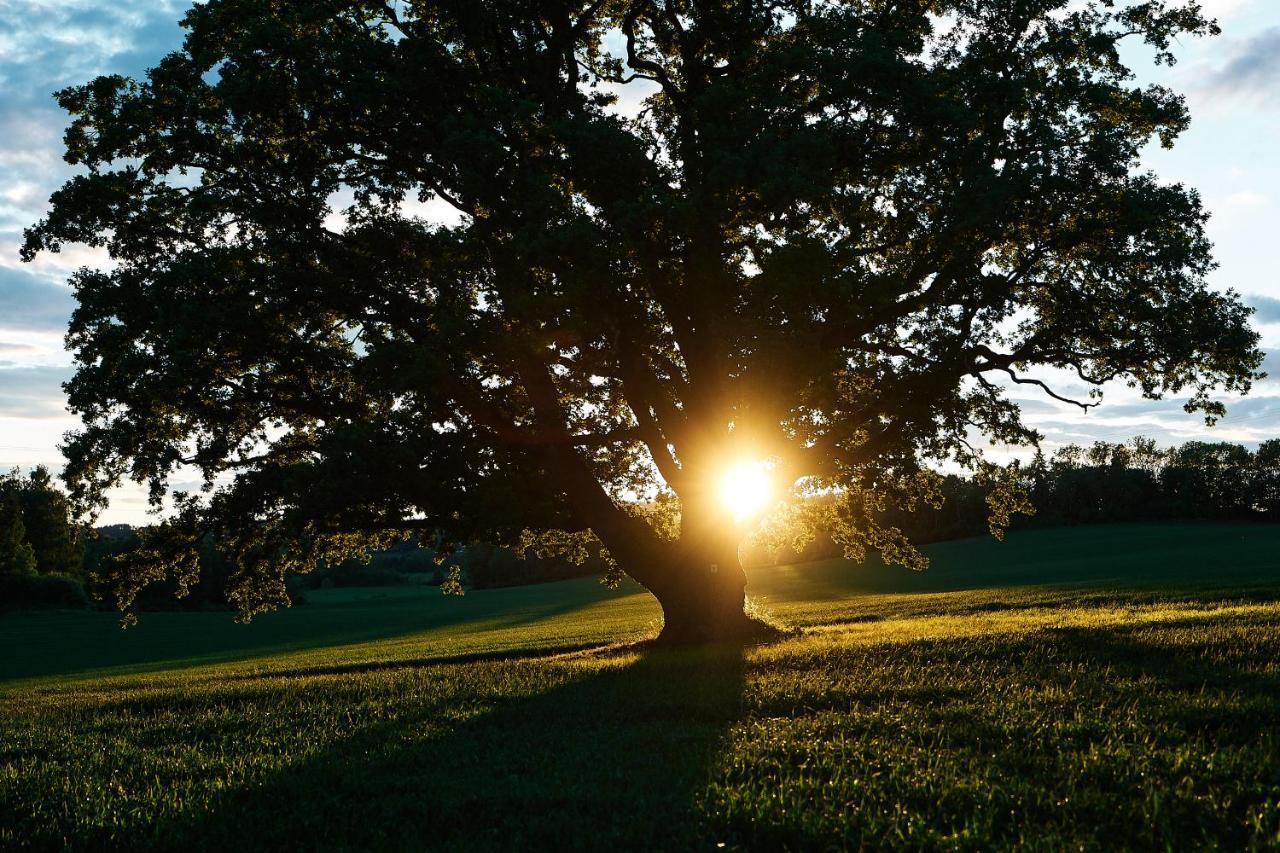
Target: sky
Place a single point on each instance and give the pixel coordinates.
(1232, 84)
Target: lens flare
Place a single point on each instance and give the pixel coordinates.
(745, 489)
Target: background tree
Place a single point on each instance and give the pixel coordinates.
(49, 522)
(831, 236)
(1212, 474)
(1265, 479)
(1111, 483)
(16, 556)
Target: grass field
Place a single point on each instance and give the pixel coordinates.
(1096, 687)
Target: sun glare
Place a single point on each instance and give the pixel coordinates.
(745, 489)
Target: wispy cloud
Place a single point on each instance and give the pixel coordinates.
(1251, 69)
(33, 302)
(1266, 309)
(25, 392)
(1271, 367)
(1225, 8)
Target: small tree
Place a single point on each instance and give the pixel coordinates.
(16, 556)
(826, 237)
(50, 527)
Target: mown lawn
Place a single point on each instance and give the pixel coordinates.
(1134, 701)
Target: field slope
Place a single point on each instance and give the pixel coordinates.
(1095, 687)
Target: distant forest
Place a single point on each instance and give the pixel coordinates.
(46, 560)
(1135, 481)
(1099, 484)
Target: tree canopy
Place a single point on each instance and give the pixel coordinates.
(830, 235)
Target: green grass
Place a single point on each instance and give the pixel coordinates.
(1097, 687)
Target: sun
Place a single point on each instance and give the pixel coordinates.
(745, 489)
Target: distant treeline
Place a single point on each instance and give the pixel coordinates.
(1135, 481)
(1102, 483)
(45, 559)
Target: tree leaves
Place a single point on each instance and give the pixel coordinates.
(830, 234)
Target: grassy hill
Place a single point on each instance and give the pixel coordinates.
(1095, 687)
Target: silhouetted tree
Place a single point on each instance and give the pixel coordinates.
(50, 526)
(1208, 477)
(16, 556)
(828, 235)
(1135, 481)
(1265, 479)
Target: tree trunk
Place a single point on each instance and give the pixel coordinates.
(703, 598)
(698, 580)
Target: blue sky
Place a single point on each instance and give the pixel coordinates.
(1230, 154)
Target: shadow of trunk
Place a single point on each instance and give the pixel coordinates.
(545, 768)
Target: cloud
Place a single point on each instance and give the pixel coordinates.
(1245, 200)
(32, 302)
(46, 46)
(1224, 8)
(1253, 69)
(1036, 407)
(33, 392)
(1266, 308)
(1271, 366)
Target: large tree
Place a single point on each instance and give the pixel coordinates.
(829, 236)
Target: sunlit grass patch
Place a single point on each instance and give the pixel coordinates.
(1141, 727)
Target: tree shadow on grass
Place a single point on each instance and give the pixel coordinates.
(1183, 678)
(615, 754)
